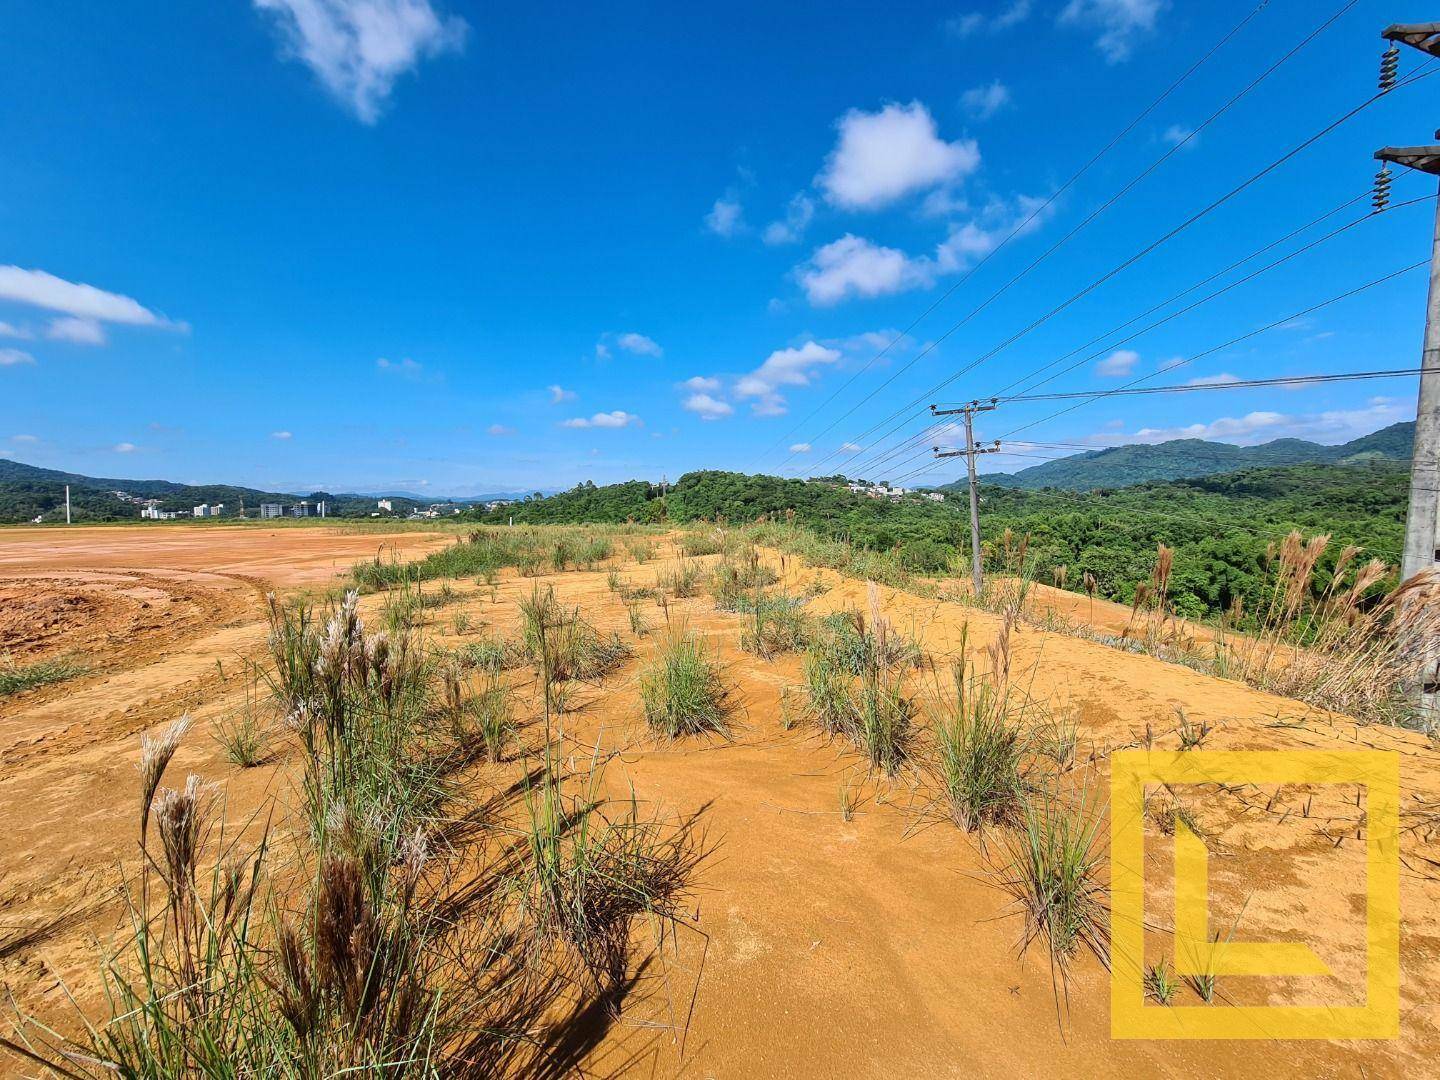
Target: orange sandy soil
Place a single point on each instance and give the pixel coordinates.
(876, 946)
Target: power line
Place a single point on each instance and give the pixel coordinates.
(1093, 215)
(1230, 384)
(1034, 215)
(1197, 216)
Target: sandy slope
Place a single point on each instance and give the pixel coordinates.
(878, 946)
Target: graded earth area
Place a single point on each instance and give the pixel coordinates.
(840, 923)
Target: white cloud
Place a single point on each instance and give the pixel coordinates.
(402, 367)
(972, 22)
(1176, 134)
(124, 448)
(854, 266)
(616, 419)
(25, 438)
(499, 430)
(639, 344)
(283, 436)
(359, 48)
(701, 384)
(851, 448)
(10, 330)
(983, 102)
(974, 239)
(1171, 362)
(885, 155)
(727, 217)
(75, 330)
(1120, 362)
(1332, 426)
(1118, 23)
(783, 367)
(14, 357)
(602, 351)
(559, 395)
(1222, 379)
(707, 407)
(800, 448)
(44, 290)
(799, 212)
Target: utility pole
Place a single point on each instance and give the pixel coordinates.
(1424, 512)
(67, 504)
(967, 412)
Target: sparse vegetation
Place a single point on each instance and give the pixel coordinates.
(1054, 877)
(15, 678)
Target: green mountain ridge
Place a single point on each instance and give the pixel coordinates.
(1183, 459)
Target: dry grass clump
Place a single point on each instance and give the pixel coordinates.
(695, 544)
(567, 645)
(855, 679)
(984, 754)
(778, 624)
(681, 689)
(482, 722)
(680, 581)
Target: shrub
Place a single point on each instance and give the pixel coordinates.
(1054, 877)
(982, 753)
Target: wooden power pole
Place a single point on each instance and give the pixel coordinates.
(967, 413)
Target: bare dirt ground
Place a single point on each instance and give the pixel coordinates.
(878, 945)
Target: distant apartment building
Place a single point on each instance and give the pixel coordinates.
(154, 513)
(272, 510)
(386, 505)
(206, 510)
(934, 496)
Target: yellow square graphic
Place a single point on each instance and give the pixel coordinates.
(1378, 1018)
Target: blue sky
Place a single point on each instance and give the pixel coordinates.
(452, 247)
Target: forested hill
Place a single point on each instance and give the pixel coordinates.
(1121, 466)
(1219, 525)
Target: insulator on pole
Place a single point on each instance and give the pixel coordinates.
(1389, 66)
(1380, 199)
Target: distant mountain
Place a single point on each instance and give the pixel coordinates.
(1121, 466)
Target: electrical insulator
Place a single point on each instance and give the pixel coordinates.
(1380, 199)
(1389, 65)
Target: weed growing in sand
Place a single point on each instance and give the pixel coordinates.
(680, 581)
(1192, 735)
(1160, 982)
(642, 551)
(639, 625)
(777, 625)
(14, 678)
(982, 752)
(576, 649)
(695, 544)
(481, 723)
(681, 689)
(1054, 877)
(241, 734)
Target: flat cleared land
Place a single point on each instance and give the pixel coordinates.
(876, 946)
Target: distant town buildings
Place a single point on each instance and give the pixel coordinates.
(206, 510)
(271, 510)
(386, 505)
(154, 513)
(885, 491)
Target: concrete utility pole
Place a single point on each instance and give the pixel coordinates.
(967, 412)
(1421, 522)
(67, 504)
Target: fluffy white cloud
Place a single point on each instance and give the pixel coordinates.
(726, 217)
(885, 155)
(10, 330)
(616, 419)
(1331, 426)
(707, 406)
(854, 266)
(43, 290)
(1118, 23)
(75, 330)
(975, 238)
(14, 357)
(800, 448)
(850, 448)
(283, 436)
(1223, 379)
(124, 448)
(639, 344)
(358, 48)
(983, 102)
(1120, 362)
(499, 430)
(972, 22)
(701, 384)
(799, 212)
(559, 395)
(783, 367)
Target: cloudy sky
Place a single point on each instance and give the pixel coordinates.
(446, 246)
